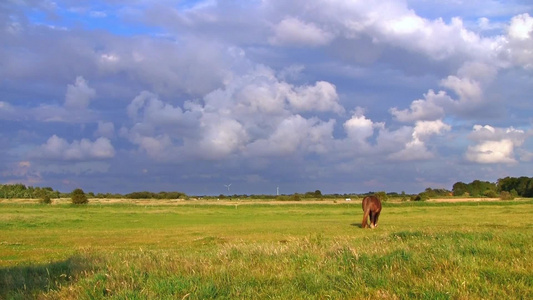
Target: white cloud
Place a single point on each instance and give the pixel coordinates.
(57, 148)
(518, 45)
(466, 88)
(359, 129)
(105, 129)
(469, 85)
(79, 95)
(220, 137)
(293, 135)
(490, 152)
(521, 27)
(425, 129)
(494, 145)
(488, 132)
(191, 67)
(293, 32)
(77, 99)
(320, 97)
(255, 113)
(429, 108)
(416, 148)
(159, 147)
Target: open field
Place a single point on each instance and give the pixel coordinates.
(242, 250)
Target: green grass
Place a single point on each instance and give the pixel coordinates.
(479, 250)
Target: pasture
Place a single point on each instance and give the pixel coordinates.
(468, 250)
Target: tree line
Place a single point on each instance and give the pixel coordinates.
(505, 188)
(514, 186)
(19, 190)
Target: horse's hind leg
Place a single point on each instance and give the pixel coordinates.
(372, 219)
(376, 217)
(365, 219)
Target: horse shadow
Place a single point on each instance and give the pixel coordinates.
(25, 282)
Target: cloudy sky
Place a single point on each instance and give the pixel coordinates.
(337, 95)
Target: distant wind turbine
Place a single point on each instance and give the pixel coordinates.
(227, 185)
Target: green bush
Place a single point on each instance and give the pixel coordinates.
(490, 194)
(78, 197)
(45, 199)
(504, 195)
(420, 197)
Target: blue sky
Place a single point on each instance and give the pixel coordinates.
(341, 96)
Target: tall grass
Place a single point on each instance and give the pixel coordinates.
(263, 251)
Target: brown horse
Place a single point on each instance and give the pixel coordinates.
(371, 207)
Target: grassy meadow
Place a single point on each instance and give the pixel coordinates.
(203, 250)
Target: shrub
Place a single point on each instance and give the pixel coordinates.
(45, 199)
(420, 197)
(78, 197)
(490, 194)
(504, 195)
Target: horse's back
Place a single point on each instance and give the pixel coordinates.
(372, 203)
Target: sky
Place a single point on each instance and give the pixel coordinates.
(339, 96)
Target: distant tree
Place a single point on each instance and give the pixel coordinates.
(404, 196)
(78, 197)
(523, 186)
(382, 196)
(45, 199)
(43, 195)
(460, 189)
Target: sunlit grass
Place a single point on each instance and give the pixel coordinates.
(431, 251)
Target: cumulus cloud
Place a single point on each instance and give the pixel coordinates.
(466, 88)
(494, 145)
(74, 110)
(293, 32)
(416, 148)
(293, 135)
(320, 97)
(248, 84)
(359, 127)
(427, 109)
(520, 41)
(191, 67)
(359, 130)
(468, 85)
(57, 148)
(79, 95)
(256, 113)
(220, 137)
(521, 27)
(105, 129)
(489, 152)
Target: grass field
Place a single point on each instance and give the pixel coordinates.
(467, 250)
